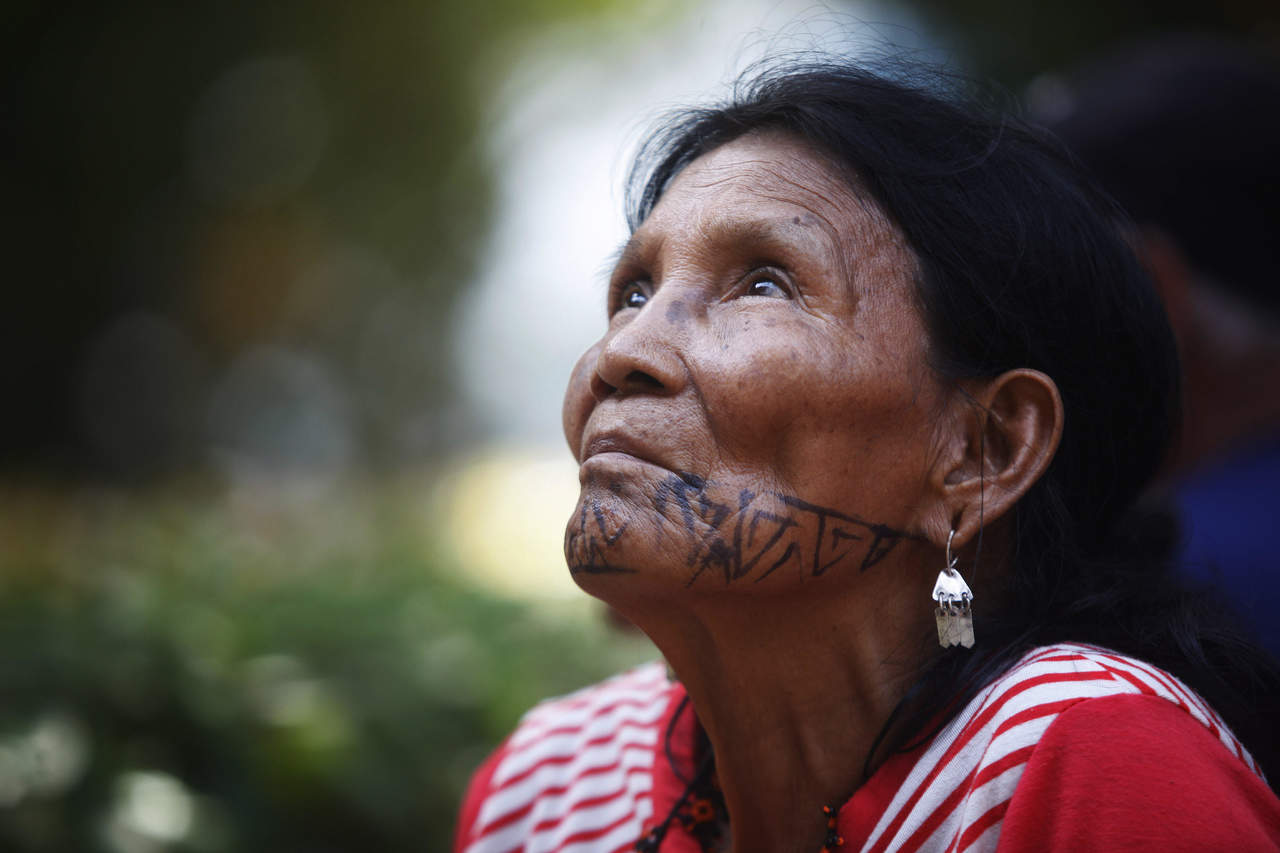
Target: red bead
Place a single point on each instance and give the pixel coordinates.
(833, 840)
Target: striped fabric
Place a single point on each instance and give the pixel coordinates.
(578, 774)
(956, 795)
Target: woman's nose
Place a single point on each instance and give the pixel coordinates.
(641, 357)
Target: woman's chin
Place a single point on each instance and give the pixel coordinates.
(617, 545)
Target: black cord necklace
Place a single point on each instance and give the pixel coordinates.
(693, 813)
(701, 808)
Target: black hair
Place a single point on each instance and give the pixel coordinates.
(1022, 263)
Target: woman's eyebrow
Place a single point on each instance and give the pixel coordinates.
(768, 234)
(773, 233)
(628, 252)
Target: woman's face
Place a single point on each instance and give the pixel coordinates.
(759, 412)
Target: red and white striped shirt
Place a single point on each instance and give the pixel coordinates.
(1096, 734)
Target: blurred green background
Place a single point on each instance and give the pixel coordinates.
(281, 495)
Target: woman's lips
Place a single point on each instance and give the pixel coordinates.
(611, 443)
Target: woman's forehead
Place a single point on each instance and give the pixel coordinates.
(771, 169)
(765, 187)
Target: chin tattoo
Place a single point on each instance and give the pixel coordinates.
(742, 538)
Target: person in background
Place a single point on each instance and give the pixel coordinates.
(1184, 131)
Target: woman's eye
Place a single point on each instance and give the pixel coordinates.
(767, 287)
(632, 296)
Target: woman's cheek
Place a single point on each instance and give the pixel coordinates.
(766, 383)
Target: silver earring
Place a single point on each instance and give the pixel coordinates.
(955, 605)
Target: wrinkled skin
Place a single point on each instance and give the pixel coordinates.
(762, 385)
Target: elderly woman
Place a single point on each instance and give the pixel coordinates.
(860, 451)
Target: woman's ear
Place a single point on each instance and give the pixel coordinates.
(1001, 441)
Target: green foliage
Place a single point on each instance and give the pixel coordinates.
(193, 675)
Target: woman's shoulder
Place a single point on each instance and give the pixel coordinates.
(571, 762)
(1133, 771)
(1029, 697)
(582, 710)
(1028, 743)
(1087, 746)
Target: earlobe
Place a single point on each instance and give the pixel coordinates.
(1000, 447)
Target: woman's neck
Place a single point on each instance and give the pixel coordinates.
(793, 695)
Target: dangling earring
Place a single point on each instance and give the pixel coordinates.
(955, 605)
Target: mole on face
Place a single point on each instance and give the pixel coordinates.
(676, 312)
